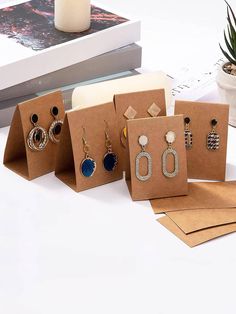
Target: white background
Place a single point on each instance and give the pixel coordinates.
(97, 251)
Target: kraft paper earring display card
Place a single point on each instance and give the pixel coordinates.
(158, 166)
(89, 150)
(198, 237)
(136, 105)
(198, 219)
(200, 195)
(206, 132)
(34, 136)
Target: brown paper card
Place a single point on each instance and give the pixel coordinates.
(198, 237)
(200, 195)
(18, 156)
(142, 103)
(158, 185)
(204, 163)
(197, 219)
(71, 151)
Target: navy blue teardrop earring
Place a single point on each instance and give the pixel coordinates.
(110, 159)
(88, 164)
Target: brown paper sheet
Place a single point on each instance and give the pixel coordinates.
(157, 185)
(204, 163)
(197, 219)
(200, 195)
(198, 237)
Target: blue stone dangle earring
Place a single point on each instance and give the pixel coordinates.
(110, 159)
(88, 164)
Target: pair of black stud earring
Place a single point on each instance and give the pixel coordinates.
(38, 137)
(213, 138)
(110, 159)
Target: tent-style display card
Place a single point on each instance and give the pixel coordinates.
(18, 156)
(88, 126)
(205, 163)
(198, 237)
(144, 104)
(197, 219)
(149, 173)
(200, 195)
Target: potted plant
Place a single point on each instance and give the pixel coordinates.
(226, 76)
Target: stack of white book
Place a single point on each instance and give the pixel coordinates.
(35, 57)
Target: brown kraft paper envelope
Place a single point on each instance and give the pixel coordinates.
(200, 195)
(197, 219)
(204, 163)
(158, 185)
(18, 156)
(71, 151)
(198, 237)
(140, 102)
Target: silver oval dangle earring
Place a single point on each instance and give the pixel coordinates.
(170, 139)
(143, 141)
(38, 137)
(56, 126)
(110, 159)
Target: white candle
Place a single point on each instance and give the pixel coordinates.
(72, 15)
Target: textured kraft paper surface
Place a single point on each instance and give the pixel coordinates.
(71, 150)
(140, 102)
(200, 195)
(198, 237)
(203, 163)
(197, 219)
(158, 185)
(18, 156)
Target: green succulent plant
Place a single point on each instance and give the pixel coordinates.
(230, 38)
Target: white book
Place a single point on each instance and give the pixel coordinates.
(30, 46)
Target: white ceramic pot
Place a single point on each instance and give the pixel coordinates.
(227, 90)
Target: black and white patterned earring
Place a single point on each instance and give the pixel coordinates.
(143, 141)
(188, 134)
(213, 138)
(55, 128)
(38, 137)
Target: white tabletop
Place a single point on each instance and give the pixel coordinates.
(97, 251)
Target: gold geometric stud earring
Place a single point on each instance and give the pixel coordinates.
(56, 126)
(154, 110)
(37, 138)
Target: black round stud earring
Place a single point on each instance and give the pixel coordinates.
(56, 126)
(37, 138)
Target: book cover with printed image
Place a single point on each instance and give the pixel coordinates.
(30, 46)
